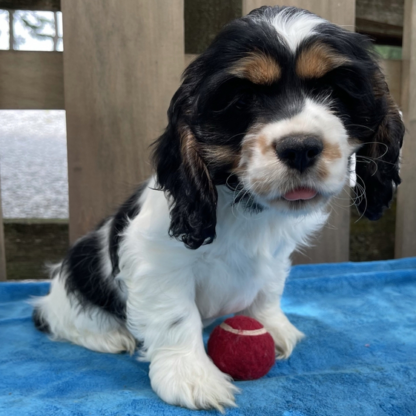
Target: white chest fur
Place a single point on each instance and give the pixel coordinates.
(250, 250)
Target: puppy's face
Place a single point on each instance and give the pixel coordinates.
(297, 163)
(280, 138)
(274, 109)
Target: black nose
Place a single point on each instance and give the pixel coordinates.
(299, 152)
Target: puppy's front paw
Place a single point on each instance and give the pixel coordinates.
(191, 380)
(285, 336)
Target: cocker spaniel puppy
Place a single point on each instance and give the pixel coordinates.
(260, 138)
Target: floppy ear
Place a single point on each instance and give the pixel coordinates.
(378, 159)
(183, 175)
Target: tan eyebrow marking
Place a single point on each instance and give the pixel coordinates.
(258, 68)
(317, 60)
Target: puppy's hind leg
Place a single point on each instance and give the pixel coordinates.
(64, 317)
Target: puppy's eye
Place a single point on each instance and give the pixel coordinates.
(243, 103)
(240, 104)
(234, 95)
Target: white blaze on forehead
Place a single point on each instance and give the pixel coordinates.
(294, 28)
(314, 119)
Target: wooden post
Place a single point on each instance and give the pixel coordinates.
(405, 245)
(332, 245)
(31, 80)
(3, 276)
(122, 64)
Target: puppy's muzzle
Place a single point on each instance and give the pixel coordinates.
(299, 152)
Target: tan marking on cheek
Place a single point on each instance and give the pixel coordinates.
(263, 144)
(330, 153)
(191, 157)
(220, 155)
(247, 150)
(250, 141)
(190, 151)
(257, 68)
(192, 161)
(259, 184)
(246, 156)
(187, 140)
(317, 60)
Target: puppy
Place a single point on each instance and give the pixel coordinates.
(260, 137)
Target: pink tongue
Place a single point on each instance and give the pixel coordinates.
(300, 193)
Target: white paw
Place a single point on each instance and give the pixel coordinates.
(191, 380)
(285, 336)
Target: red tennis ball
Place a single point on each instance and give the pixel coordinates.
(242, 348)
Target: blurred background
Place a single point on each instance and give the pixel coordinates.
(33, 143)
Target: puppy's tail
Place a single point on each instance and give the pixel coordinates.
(40, 321)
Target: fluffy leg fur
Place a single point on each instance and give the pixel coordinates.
(266, 309)
(62, 315)
(170, 325)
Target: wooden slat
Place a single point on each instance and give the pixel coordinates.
(34, 80)
(122, 63)
(382, 11)
(31, 80)
(332, 245)
(380, 33)
(204, 19)
(3, 276)
(393, 72)
(45, 5)
(189, 57)
(381, 19)
(405, 244)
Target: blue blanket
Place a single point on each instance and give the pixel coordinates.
(359, 357)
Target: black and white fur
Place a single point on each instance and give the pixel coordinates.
(211, 232)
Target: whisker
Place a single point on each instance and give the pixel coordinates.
(236, 135)
(328, 225)
(374, 159)
(360, 125)
(364, 196)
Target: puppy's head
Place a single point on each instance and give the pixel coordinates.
(274, 109)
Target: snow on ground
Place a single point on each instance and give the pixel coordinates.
(33, 164)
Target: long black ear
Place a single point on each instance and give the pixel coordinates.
(378, 159)
(184, 176)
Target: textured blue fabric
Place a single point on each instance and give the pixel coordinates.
(359, 357)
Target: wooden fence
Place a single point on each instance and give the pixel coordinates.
(115, 80)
